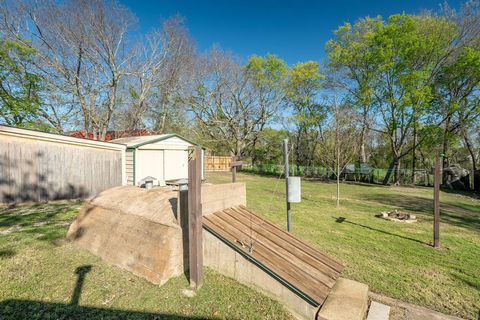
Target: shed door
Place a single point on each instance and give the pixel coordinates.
(176, 164)
(149, 163)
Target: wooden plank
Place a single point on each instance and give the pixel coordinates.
(298, 243)
(288, 272)
(236, 163)
(306, 269)
(277, 248)
(312, 265)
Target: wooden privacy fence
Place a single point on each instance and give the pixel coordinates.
(37, 166)
(218, 163)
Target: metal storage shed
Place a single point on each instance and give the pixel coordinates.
(164, 157)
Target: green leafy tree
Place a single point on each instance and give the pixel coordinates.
(268, 76)
(268, 149)
(458, 100)
(457, 94)
(353, 67)
(19, 88)
(303, 82)
(403, 55)
(409, 50)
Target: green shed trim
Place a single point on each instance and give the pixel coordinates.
(167, 136)
(134, 167)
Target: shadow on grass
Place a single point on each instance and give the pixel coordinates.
(27, 309)
(469, 194)
(46, 222)
(465, 216)
(467, 280)
(6, 253)
(344, 220)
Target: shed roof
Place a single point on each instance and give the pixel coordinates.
(138, 141)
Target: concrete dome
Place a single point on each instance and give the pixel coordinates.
(135, 229)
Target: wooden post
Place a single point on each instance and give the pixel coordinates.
(436, 203)
(195, 246)
(234, 169)
(285, 157)
(233, 165)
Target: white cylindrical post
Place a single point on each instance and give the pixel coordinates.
(285, 156)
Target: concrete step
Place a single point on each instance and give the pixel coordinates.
(348, 300)
(378, 311)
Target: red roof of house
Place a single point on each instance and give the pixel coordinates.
(113, 134)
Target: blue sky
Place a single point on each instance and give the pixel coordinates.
(293, 30)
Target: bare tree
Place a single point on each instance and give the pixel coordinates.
(156, 86)
(230, 106)
(83, 52)
(338, 145)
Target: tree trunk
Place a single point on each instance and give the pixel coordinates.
(362, 156)
(445, 143)
(254, 154)
(103, 135)
(337, 146)
(414, 153)
(297, 148)
(397, 173)
(471, 151)
(387, 177)
(393, 168)
(338, 176)
(338, 190)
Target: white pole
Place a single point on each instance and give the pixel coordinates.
(285, 156)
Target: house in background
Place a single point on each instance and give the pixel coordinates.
(111, 135)
(163, 157)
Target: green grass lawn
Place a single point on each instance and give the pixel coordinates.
(394, 259)
(38, 280)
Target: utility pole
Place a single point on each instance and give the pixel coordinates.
(285, 157)
(436, 203)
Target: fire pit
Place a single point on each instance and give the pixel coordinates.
(398, 216)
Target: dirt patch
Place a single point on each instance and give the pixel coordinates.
(398, 216)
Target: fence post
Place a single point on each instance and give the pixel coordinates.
(436, 204)
(234, 169)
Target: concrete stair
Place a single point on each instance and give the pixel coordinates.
(378, 311)
(348, 300)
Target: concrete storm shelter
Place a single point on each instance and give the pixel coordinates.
(163, 157)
